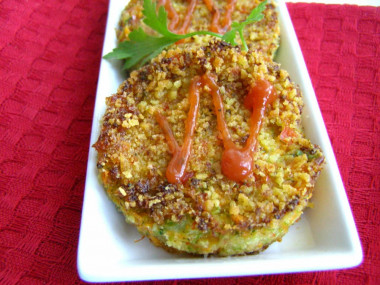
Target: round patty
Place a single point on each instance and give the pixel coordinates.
(207, 211)
(262, 36)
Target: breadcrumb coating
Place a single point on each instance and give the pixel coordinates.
(208, 213)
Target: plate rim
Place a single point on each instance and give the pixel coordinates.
(317, 261)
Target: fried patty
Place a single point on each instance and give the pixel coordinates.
(207, 213)
(262, 36)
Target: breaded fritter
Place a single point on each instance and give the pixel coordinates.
(262, 36)
(206, 211)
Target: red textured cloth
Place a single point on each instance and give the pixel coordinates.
(49, 61)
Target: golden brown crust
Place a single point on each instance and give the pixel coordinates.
(133, 153)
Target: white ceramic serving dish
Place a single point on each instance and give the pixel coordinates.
(324, 238)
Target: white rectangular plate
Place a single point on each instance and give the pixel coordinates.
(324, 238)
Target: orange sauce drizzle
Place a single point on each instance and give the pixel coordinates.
(188, 16)
(236, 163)
(215, 26)
(215, 22)
(209, 4)
(175, 172)
(174, 25)
(172, 13)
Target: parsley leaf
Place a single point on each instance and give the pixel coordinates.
(254, 16)
(142, 47)
(156, 22)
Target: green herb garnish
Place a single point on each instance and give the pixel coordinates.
(255, 16)
(142, 47)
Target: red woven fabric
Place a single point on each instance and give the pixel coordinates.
(49, 61)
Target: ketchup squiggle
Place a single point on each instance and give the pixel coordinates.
(175, 172)
(215, 25)
(236, 163)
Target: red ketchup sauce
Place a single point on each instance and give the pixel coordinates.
(175, 172)
(216, 26)
(236, 163)
(172, 13)
(215, 22)
(175, 25)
